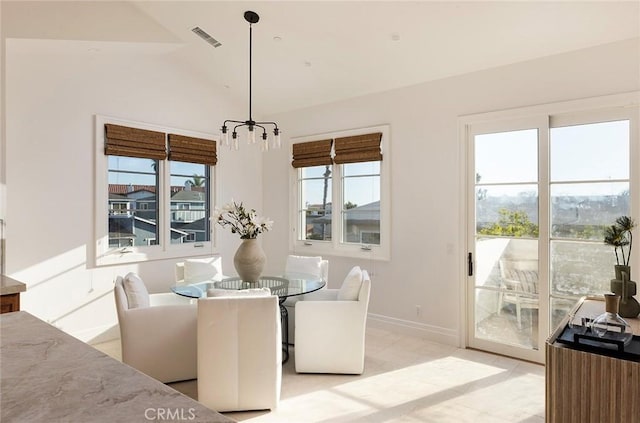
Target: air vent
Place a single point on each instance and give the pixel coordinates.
(208, 38)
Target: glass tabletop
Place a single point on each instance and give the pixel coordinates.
(282, 286)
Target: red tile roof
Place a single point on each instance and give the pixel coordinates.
(126, 188)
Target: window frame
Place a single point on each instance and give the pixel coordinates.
(105, 255)
(336, 246)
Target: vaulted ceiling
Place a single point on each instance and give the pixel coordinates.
(313, 52)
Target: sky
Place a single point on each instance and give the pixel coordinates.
(594, 153)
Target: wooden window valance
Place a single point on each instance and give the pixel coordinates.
(359, 148)
(192, 150)
(134, 142)
(314, 153)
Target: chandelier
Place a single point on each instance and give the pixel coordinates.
(252, 125)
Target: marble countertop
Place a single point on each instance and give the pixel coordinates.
(10, 286)
(50, 376)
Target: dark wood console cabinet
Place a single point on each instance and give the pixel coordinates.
(10, 290)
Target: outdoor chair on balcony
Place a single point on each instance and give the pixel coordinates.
(519, 284)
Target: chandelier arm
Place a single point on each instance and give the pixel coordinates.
(267, 123)
(232, 121)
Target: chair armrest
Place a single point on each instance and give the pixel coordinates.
(161, 341)
(168, 298)
(321, 295)
(322, 317)
(330, 336)
(159, 321)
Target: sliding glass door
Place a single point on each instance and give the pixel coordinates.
(541, 191)
(505, 314)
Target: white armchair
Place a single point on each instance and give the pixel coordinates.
(296, 265)
(157, 331)
(330, 329)
(198, 270)
(239, 352)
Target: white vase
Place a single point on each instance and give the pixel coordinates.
(249, 260)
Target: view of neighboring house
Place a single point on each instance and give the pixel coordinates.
(133, 215)
(362, 223)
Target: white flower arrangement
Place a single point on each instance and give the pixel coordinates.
(245, 223)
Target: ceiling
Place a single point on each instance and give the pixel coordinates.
(313, 52)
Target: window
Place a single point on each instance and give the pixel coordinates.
(589, 186)
(341, 201)
(190, 208)
(156, 186)
(360, 207)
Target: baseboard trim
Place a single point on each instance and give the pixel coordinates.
(407, 327)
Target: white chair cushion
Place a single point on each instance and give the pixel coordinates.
(304, 265)
(253, 292)
(136, 291)
(200, 270)
(351, 285)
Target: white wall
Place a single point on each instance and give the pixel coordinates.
(54, 88)
(428, 257)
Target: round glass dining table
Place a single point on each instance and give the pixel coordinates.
(286, 286)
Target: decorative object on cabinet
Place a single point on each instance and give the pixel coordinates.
(620, 235)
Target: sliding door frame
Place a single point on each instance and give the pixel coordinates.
(545, 116)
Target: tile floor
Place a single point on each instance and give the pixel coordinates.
(406, 379)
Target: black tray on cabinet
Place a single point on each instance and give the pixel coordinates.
(581, 338)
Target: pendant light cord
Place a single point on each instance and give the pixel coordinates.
(250, 74)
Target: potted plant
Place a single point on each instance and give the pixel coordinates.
(620, 235)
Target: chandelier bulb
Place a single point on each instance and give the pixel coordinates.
(276, 139)
(251, 139)
(235, 144)
(224, 138)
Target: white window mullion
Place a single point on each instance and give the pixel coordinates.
(544, 224)
(634, 183)
(164, 205)
(336, 207)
